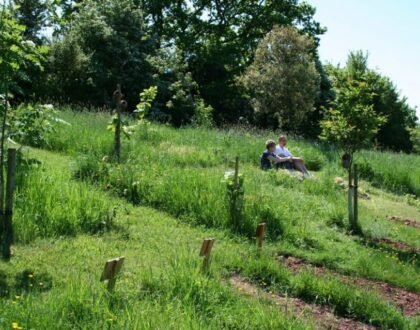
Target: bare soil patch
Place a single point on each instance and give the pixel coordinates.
(398, 245)
(323, 316)
(407, 301)
(407, 222)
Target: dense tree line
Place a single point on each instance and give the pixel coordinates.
(252, 61)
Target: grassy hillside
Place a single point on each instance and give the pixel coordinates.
(75, 209)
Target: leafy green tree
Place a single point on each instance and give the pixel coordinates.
(66, 71)
(179, 101)
(283, 81)
(112, 38)
(386, 102)
(33, 14)
(217, 40)
(310, 127)
(351, 122)
(16, 53)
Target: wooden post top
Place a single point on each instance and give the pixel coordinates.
(206, 247)
(112, 268)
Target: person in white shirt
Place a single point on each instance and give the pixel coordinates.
(294, 162)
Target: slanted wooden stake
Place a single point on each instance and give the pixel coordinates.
(205, 252)
(355, 201)
(260, 235)
(111, 270)
(8, 216)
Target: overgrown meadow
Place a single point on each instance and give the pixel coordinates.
(76, 207)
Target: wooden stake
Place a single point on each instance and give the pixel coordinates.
(205, 252)
(260, 235)
(356, 199)
(111, 270)
(236, 176)
(8, 216)
(117, 137)
(350, 199)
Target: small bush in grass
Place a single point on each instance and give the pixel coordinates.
(90, 168)
(235, 199)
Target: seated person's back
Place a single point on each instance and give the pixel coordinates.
(268, 155)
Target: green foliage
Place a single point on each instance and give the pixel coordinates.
(146, 99)
(67, 70)
(183, 179)
(127, 126)
(111, 41)
(351, 122)
(415, 138)
(383, 98)
(30, 124)
(229, 34)
(52, 205)
(235, 199)
(32, 14)
(203, 114)
(283, 81)
(391, 171)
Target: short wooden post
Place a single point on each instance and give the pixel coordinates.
(350, 198)
(260, 235)
(235, 217)
(356, 201)
(236, 177)
(8, 216)
(205, 252)
(117, 138)
(111, 270)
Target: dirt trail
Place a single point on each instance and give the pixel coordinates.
(407, 222)
(408, 302)
(323, 316)
(396, 245)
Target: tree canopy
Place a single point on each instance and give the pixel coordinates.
(209, 59)
(283, 81)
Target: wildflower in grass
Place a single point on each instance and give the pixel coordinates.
(15, 326)
(31, 275)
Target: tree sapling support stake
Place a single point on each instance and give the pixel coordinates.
(260, 236)
(356, 199)
(236, 177)
(8, 214)
(117, 138)
(205, 252)
(350, 198)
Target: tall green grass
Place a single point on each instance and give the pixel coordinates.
(395, 172)
(51, 204)
(180, 171)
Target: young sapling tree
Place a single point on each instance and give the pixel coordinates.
(351, 124)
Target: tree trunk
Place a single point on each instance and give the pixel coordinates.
(8, 216)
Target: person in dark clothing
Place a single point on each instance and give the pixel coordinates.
(268, 157)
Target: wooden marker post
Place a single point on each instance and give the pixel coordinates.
(205, 252)
(260, 235)
(355, 200)
(111, 270)
(236, 176)
(117, 137)
(8, 216)
(350, 198)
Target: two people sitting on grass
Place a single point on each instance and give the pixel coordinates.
(278, 156)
